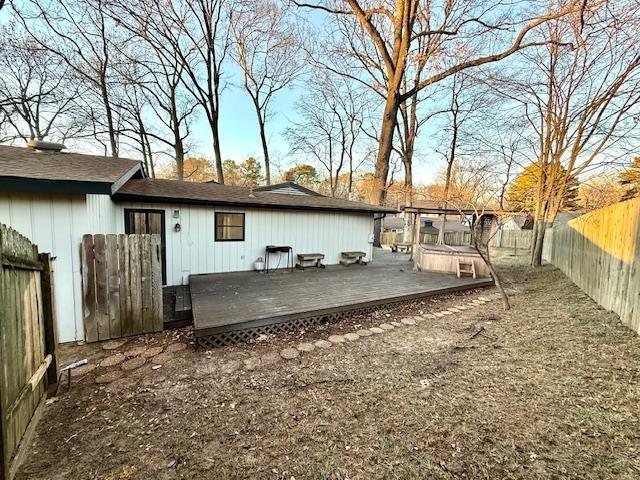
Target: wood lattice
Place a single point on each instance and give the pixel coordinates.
(235, 337)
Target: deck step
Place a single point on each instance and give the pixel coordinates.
(183, 299)
(465, 268)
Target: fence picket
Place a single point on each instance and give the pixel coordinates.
(102, 288)
(135, 322)
(112, 264)
(145, 282)
(89, 289)
(156, 284)
(124, 282)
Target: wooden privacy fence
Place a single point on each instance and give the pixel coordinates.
(27, 339)
(453, 239)
(450, 238)
(514, 239)
(600, 252)
(122, 285)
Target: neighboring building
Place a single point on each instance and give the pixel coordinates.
(55, 198)
(286, 187)
(395, 224)
(522, 221)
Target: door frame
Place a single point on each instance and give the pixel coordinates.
(163, 233)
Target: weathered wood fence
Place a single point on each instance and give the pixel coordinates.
(450, 238)
(514, 239)
(600, 252)
(27, 339)
(122, 285)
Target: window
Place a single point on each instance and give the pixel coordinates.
(229, 227)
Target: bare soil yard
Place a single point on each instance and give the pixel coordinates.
(550, 389)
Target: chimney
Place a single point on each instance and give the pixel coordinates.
(40, 146)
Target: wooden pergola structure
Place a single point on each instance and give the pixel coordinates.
(417, 211)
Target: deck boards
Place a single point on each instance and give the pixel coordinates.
(241, 299)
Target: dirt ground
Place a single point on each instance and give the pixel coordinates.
(549, 389)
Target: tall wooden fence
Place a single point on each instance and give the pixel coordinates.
(514, 239)
(27, 339)
(600, 252)
(450, 238)
(122, 285)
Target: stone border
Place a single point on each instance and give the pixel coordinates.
(291, 353)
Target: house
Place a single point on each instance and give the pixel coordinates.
(520, 221)
(55, 198)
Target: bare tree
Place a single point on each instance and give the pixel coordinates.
(466, 103)
(477, 212)
(134, 105)
(319, 133)
(581, 99)
(330, 129)
(270, 55)
(153, 63)
(389, 34)
(199, 35)
(80, 34)
(36, 94)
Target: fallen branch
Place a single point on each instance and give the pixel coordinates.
(480, 330)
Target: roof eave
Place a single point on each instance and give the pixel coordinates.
(39, 185)
(121, 196)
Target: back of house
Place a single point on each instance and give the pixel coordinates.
(55, 198)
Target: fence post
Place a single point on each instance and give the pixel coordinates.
(4, 462)
(49, 317)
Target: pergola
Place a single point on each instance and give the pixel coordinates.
(430, 208)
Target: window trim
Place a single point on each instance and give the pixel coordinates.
(215, 227)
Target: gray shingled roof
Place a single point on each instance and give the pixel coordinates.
(23, 163)
(174, 191)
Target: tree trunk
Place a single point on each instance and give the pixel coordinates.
(109, 113)
(451, 159)
(496, 277)
(263, 139)
(150, 153)
(536, 258)
(179, 150)
(408, 188)
(443, 225)
(215, 135)
(387, 130)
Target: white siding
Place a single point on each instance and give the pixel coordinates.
(194, 249)
(55, 223)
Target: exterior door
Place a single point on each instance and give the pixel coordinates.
(142, 221)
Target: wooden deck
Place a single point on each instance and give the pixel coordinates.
(244, 300)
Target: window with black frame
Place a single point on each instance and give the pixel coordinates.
(229, 227)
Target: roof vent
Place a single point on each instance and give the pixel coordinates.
(40, 146)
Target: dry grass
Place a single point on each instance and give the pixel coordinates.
(549, 389)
